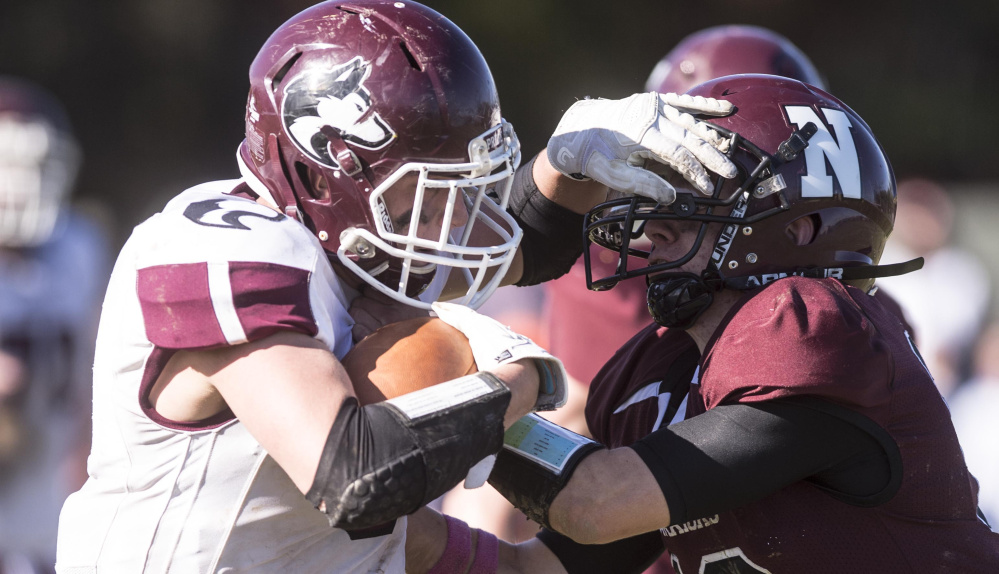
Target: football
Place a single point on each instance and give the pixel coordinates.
(407, 356)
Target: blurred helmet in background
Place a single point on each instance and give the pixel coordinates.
(39, 158)
(733, 49)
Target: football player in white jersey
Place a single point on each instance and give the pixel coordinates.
(375, 158)
(53, 267)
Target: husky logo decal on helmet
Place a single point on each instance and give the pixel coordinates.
(335, 98)
(384, 110)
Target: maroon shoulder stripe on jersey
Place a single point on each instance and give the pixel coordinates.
(177, 308)
(179, 313)
(269, 298)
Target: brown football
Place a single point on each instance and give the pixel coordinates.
(407, 356)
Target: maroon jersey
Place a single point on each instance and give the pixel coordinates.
(817, 338)
(642, 386)
(584, 341)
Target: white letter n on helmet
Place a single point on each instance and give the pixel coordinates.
(839, 150)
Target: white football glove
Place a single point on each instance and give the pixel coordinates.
(494, 344)
(609, 141)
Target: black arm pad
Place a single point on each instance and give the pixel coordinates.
(625, 556)
(552, 234)
(388, 459)
(529, 485)
(735, 454)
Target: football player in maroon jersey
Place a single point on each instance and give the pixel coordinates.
(584, 328)
(585, 341)
(814, 439)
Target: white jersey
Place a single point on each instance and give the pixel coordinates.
(210, 270)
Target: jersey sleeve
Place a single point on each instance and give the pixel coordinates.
(798, 337)
(219, 271)
(212, 304)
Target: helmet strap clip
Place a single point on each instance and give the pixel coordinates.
(344, 156)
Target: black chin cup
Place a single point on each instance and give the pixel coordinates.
(677, 300)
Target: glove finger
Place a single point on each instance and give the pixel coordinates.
(622, 177)
(709, 156)
(692, 124)
(697, 104)
(677, 156)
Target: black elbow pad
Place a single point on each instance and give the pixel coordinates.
(388, 459)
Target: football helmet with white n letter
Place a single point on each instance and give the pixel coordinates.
(801, 153)
(371, 104)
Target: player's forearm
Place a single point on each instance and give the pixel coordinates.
(575, 486)
(574, 195)
(522, 378)
(529, 557)
(611, 495)
(426, 538)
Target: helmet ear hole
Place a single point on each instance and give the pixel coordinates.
(804, 230)
(313, 182)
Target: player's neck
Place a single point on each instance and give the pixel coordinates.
(707, 323)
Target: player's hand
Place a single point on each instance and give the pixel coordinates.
(494, 344)
(372, 310)
(610, 140)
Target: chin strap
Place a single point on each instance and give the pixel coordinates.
(287, 202)
(841, 273)
(677, 300)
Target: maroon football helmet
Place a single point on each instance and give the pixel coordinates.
(704, 55)
(726, 50)
(801, 152)
(39, 158)
(350, 100)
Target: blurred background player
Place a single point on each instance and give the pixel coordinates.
(947, 325)
(973, 407)
(584, 328)
(53, 267)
